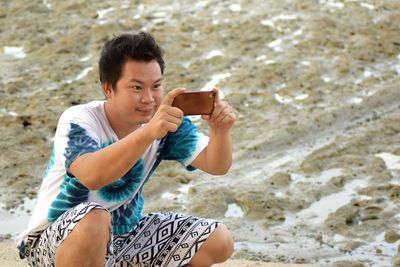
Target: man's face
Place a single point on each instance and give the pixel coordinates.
(138, 92)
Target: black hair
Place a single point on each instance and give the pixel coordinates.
(115, 52)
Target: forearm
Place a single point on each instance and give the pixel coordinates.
(218, 158)
(104, 166)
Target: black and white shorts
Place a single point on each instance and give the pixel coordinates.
(159, 239)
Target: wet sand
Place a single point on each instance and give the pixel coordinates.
(316, 172)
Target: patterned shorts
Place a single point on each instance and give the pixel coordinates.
(159, 239)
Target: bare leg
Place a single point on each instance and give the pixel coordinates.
(216, 249)
(86, 245)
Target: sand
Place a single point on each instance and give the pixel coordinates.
(9, 257)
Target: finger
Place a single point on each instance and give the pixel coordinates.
(218, 110)
(205, 117)
(228, 120)
(164, 113)
(170, 126)
(222, 116)
(168, 123)
(174, 120)
(217, 98)
(174, 111)
(227, 115)
(169, 97)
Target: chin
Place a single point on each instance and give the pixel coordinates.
(144, 119)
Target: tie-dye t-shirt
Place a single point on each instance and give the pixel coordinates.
(85, 128)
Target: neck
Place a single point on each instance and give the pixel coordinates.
(120, 127)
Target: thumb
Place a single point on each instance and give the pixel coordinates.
(169, 97)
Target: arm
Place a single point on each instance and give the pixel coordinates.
(104, 166)
(97, 169)
(216, 158)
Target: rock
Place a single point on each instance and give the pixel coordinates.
(338, 181)
(346, 263)
(280, 179)
(351, 245)
(391, 236)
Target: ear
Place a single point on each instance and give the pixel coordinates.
(107, 89)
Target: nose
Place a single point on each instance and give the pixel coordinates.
(147, 96)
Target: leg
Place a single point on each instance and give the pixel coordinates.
(216, 249)
(86, 245)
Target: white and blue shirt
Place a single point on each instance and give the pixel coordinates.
(84, 129)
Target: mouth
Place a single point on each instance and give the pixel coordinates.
(145, 111)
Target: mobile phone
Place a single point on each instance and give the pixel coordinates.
(195, 103)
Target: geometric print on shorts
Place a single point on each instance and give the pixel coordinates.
(162, 239)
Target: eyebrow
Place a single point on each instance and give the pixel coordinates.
(139, 81)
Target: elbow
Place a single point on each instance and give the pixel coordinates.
(221, 171)
(91, 186)
(91, 182)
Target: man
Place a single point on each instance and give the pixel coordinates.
(89, 208)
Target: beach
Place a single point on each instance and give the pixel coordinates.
(315, 179)
(9, 257)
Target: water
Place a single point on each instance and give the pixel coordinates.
(318, 212)
(15, 51)
(392, 161)
(234, 211)
(14, 221)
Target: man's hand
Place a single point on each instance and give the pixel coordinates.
(223, 116)
(216, 158)
(167, 118)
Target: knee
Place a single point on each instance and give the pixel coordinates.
(86, 244)
(227, 241)
(216, 249)
(224, 240)
(95, 225)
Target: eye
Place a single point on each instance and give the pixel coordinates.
(136, 87)
(157, 86)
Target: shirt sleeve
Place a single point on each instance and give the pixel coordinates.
(184, 145)
(76, 136)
